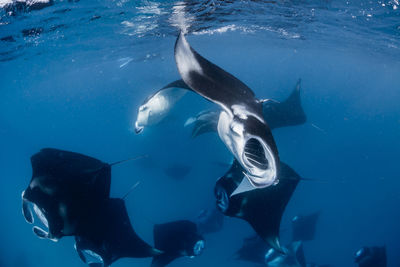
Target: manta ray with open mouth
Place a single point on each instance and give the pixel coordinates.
(241, 125)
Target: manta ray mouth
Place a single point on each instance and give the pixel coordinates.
(26, 209)
(254, 154)
(87, 255)
(92, 258)
(29, 217)
(259, 161)
(84, 249)
(138, 129)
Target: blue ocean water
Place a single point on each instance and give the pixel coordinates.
(73, 75)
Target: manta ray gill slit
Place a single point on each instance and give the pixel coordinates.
(254, 154)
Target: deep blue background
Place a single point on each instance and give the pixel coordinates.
(80, 98)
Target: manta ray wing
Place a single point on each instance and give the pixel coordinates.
(109, 234)
(214, 83)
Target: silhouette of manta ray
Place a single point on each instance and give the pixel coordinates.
(64, 187)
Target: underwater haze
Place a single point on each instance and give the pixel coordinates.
(74, 73)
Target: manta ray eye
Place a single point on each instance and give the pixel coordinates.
(255, 154)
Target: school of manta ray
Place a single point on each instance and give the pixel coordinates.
(69, 193)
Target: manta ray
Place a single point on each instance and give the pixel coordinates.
(241, 125)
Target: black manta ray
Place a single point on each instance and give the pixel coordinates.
(253, 249)
(107, 235)
(371, 257)
(261, 208)
(63, 187)
(241, 125)
(303, 227)
(277, 114)
(176, 239)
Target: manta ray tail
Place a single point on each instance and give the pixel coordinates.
(130, 190)
(131, 159)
